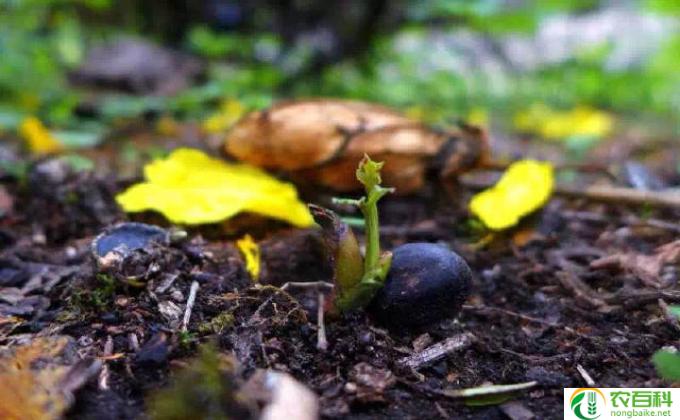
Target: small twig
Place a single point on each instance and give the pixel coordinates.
(190, 304)
(133, 342)
(631, 298)
(623, 195)
(437, 351)
(585, 375)
(538, 359)
(307, 285)
(580, 290)
(265, 356)
(322, 342)
(103, 381)
(442, 412)
(512, 313)
(629, 220)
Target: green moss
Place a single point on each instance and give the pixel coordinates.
(205, 389)
(217, 324)
(99, 298)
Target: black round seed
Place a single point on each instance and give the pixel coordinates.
(426, 283)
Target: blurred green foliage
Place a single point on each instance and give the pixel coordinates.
(40, 40)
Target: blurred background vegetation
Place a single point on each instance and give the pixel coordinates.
(435, 58)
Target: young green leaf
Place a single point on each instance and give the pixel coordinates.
(667, 364)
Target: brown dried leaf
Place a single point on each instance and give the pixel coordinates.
(647, 268)
(37, 379)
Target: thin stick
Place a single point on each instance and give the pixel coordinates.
(307, 285)
(585, 375)
(630, 220)
(133, 341)
(511, 313)
(103, 381)
(610, 194)
(322, 342)
(190, 304)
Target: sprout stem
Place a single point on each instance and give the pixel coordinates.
(376, 265)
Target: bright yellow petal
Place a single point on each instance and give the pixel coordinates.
(251, 253)
(191, 187)
(38, 139)
(552, 124)
(525, 187)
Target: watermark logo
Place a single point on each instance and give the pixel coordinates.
(587, 403)
(620, 403)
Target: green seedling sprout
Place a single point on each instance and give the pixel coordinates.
(357, 278)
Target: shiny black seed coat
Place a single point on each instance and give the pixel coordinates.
(426, 284)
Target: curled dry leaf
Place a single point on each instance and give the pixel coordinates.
(37, 380)
(322, 141)
(647, 268)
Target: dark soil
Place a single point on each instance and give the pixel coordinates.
(537, 311)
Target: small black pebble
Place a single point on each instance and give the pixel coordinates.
(426, 284)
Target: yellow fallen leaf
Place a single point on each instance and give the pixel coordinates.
(478, 116)
(583, 121)
(525, 187)
(251, 253)
(229, 112)
(190, 187)
(38, 139)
